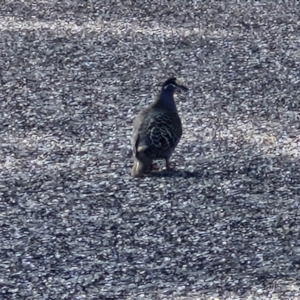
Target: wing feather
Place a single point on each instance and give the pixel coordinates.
(159, 135)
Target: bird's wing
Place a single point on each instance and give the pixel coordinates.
(158, 133)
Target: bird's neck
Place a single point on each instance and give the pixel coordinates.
(166, 100)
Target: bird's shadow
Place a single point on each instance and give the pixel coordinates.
(176, 173)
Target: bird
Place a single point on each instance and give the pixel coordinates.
(157, 129)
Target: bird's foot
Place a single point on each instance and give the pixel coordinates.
(169, 166)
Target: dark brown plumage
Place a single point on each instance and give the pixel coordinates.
(157, 129)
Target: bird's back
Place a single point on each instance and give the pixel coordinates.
(157, 132)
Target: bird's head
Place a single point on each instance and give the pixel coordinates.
(173, 84)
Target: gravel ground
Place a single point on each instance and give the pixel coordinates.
(224, 225)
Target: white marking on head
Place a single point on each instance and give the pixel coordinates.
(173, 85)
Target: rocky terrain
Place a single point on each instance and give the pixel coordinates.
(225, 224)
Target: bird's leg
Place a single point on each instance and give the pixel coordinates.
(168, 165)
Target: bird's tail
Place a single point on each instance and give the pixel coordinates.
(138, 168)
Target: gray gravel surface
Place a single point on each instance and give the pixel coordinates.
(74, 225)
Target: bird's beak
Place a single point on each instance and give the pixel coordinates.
(180, 86)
